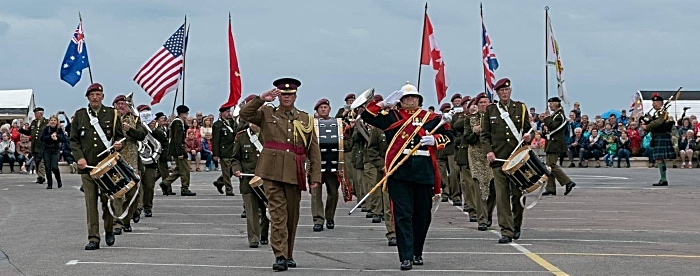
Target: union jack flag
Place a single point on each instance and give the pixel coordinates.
(490, 60)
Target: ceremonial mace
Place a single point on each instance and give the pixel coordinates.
(445, 118)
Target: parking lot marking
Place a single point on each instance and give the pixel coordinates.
(622, 255)
(75, 262)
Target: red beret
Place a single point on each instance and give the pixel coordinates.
(287, 85)
(502, 83)
(445, 106)
(466, 99)
(478, 98)
(378, 98)
(351, 95)
(455, 96)
(118, 99)
(249, 98)
(94, 87)
(142, 107)
(322, 101)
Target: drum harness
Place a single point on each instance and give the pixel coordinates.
(254, 139)
(557, 129)
(96, 124)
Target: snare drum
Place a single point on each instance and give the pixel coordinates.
(330, 141)
(526, 170)
(114, 177)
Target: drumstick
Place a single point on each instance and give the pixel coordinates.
(247, 174)
(500, 160)
(112, 146)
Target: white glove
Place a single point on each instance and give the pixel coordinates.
(393, 98)
(427, 140)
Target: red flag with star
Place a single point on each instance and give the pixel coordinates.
(234, 71)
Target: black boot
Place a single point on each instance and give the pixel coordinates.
(109, 238)
(280, 264)
(407, 265)
(58, 181)
(92, 245)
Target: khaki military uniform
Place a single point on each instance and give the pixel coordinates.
(129, 152)
(177, 148)
(467, 185)
(86, 144)
(289, 139)
(245, 159)
(555, 145)
(498, 138)
(360, 138)
(222, 140)
(373, 172)
(161, 134)
(35, 129)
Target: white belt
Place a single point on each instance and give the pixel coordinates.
(418, 152)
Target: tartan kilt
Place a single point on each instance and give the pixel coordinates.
(662, 147)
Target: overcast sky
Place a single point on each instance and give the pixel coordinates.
(610, 49)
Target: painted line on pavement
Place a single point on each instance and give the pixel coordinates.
(298, 237)
(374, 225)
(583, 176)
(76, 262)
(613, 230)
(315, 252)
(624, 255)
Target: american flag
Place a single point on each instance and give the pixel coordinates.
(161, 73)
(490, 60)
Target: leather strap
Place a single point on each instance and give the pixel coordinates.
(96, 124)
(506, 117)
(254, 139)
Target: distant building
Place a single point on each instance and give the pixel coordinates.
(16, 104)
(687, 99)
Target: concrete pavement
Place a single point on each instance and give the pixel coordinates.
(613, 223)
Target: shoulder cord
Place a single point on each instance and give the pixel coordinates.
(300, 128)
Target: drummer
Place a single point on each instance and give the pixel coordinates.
(330, 179)
(499, 141)
(87, 141)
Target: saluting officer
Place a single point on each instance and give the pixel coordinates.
(246, 151)
(413, 184)
(222, 140)
(179, 153)
(35, 128)
(93, 130)
(288, 139)
(556, 145)
(499, 138)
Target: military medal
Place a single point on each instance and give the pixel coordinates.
(417, 122)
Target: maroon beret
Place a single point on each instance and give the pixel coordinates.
(378, 98)
(322, 101)
(455, 96)
(478, 98)
(249, 98)
(119, 99)
(225, 106)
(287, 85)
(445, 106)
(466, 99)
(142, 107)
(502, 83)
(94, 87)
(351, 95)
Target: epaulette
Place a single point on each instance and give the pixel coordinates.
(239, 132)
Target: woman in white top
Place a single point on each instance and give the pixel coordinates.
(7, 152)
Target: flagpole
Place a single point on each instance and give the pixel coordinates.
(175, 100)
(89, 67)
(546, 55)
(422, 44)
(184, 57)
(481, 12)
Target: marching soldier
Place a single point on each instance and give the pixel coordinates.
(373, 172)
(661, 145)
(246, 151)
(150, 171)
(345, 112)
(482, 188)
(556, 144)
(360, 138)
(499, 138)
(179, 153)
(34, 131)
(133, 131)
(318, 212)
(93, 130)
(459, 121)
(288, 135)
(160, 132)
(222, 140)
(412, 185)
(449, 171)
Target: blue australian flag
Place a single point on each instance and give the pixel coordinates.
(76, 58)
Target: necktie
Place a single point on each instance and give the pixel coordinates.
(289, 114)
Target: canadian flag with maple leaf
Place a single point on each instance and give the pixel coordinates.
(430, 53)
